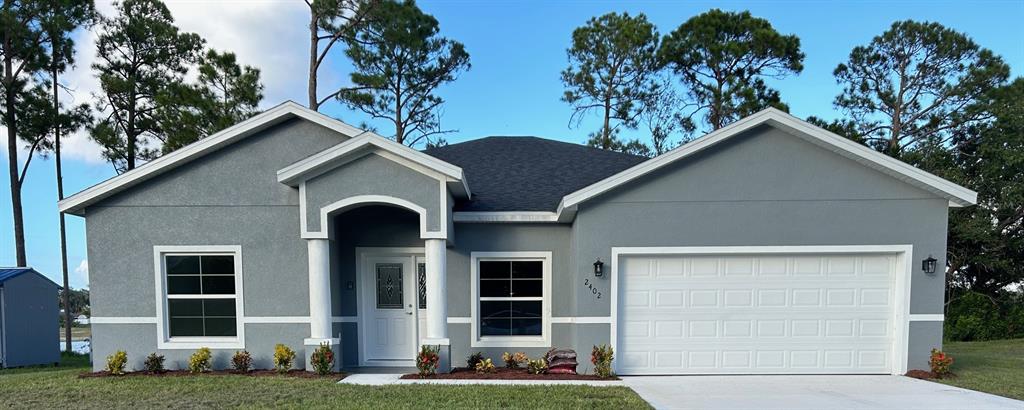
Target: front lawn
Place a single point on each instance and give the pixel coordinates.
(60, 387)
(995, 367)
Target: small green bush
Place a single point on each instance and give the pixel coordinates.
(602, 357)
(485, 366)
(537, 366)
(973, 316)
(284, 358)
(241, 361)
(322, 359)
(154, 363)
(473, 359)
(514, 360)
(116, 362)
(200, 361)
(427, 360)
(940, 363)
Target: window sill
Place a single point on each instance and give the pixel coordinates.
(191, 343)
(511, 341)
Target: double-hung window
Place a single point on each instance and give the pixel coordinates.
(201, 288)
(512, 298)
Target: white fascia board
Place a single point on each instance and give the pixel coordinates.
(76, 203)
(330, 158)
(505, 217)
(957, 195)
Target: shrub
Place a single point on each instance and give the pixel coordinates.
(284, 357)
(322, 359)
(200, 361)
(473, 359)
(485, 366)
(427, 360)
(972, 316)
(116, 362)
(241, 361)
(514, 360)
(537, 366)
(154, 363)
(602, 357)
(940, 363)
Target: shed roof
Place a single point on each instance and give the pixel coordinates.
(11, 273)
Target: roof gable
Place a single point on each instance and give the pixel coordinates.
(77, 203)
(956, 194)
(11, 273)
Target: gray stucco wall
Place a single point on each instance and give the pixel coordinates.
(230, 197)
(768, 188)
(373, 175)
(31, 304)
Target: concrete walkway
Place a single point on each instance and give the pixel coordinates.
(378, 379)
(810, 392)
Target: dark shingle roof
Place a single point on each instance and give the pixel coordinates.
(528, 173)
(9, 273)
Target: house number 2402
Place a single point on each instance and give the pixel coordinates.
(593, 289)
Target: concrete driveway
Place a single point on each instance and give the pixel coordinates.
(809, 392)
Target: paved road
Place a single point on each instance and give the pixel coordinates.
(810, 392)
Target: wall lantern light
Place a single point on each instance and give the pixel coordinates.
(598, 268)
(928, 265)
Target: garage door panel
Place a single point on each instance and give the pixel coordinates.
(756, 314)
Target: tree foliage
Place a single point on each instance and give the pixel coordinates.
(141, 54)
(27, 30)
(331, 22)
(613, 69)
(915, 82)
(224, 94)
(723, 58)
(400, 60)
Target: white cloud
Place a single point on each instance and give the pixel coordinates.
(270, 35)
(82, 274)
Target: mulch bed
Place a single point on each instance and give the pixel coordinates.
(301, 374)
(926, 375)
(465, 373)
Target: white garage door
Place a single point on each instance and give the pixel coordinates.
(686, 314)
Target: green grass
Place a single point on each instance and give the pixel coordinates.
(995, 367)
(60, 387)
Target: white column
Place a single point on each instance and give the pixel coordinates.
(319, 288)
(437, 294)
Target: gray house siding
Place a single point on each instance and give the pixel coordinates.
(229, 197)
(768, 188)
(373, 175)
(30, 302)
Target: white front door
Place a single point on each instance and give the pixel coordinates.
(388, 310)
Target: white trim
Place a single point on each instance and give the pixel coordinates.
(328, 159)
(276, 319)
(123, 320)
(459, 320)
(166, 342)
(325, 211)
(345, 319)
(957, 195)
(582, 319)
(505, 217)
(901, 290)
(75, 204)
(927, 317)
(510, 341)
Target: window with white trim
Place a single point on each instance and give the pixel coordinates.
(512, 298)
(201, 293)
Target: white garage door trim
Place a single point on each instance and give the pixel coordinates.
(901, 310)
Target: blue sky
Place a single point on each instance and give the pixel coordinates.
(517, 50)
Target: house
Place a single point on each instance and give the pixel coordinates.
(768, 246)
(28, 301)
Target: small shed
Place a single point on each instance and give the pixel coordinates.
(28, 318)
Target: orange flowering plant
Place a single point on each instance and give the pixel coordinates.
(427, 360)
(940, 363)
